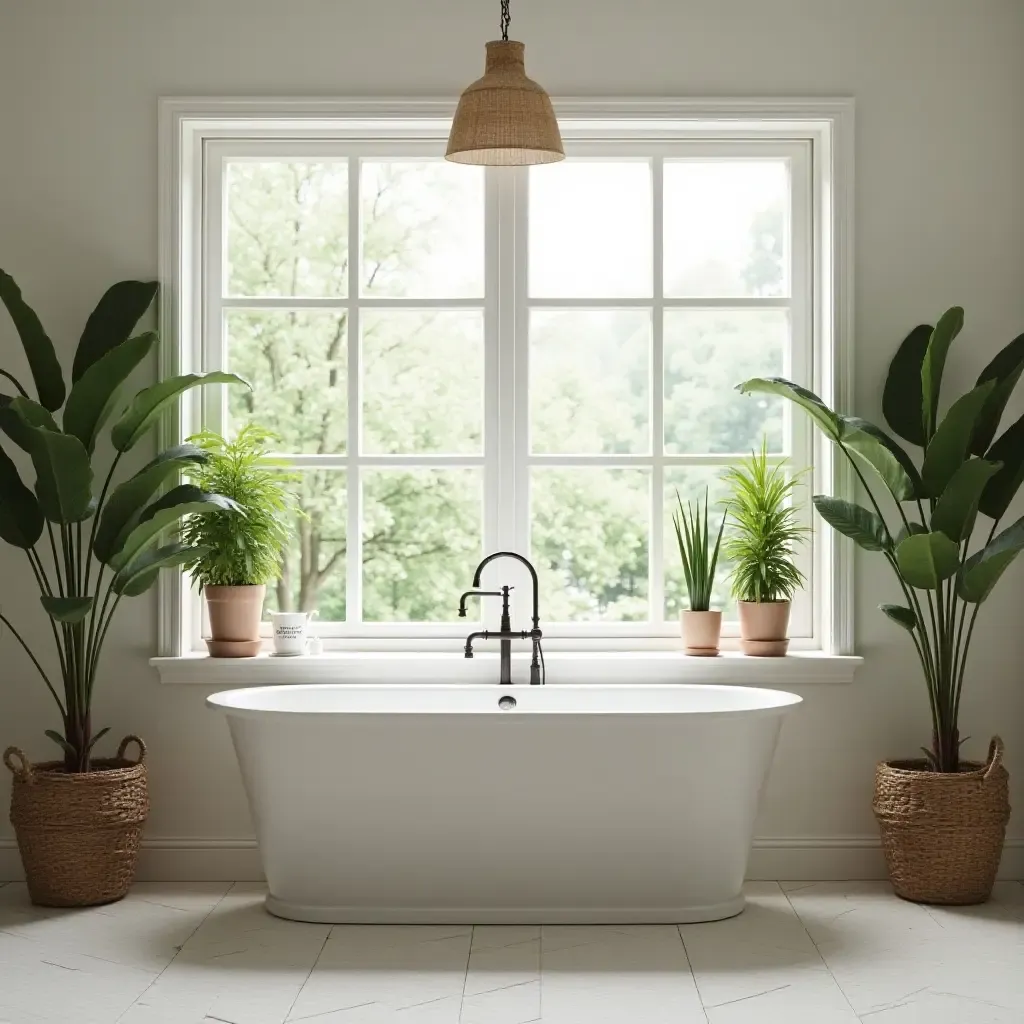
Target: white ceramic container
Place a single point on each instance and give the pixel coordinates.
(435, 803)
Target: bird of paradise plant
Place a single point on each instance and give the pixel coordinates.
(90, 547)
(965, 471)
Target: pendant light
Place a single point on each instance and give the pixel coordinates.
(504, 119)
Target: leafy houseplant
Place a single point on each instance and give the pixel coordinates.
(766, 530)
(701, 627)
(238, 554)
(88, 547)
(929, 543)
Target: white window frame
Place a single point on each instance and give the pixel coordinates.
(822, 130)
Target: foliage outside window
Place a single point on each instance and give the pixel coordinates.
(364, 290)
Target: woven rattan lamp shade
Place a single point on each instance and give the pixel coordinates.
(504, 119)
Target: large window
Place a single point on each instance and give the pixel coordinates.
(458, 360)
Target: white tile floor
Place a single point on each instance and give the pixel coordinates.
(820, 953)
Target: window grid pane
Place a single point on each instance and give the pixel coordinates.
(695, 353)
(337, 358)
(657, 444)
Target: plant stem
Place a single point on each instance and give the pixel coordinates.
(39, 668)
(96, 518)
(56, 560)
(44, 586)
(14, 380)
(926, 639)
(99, 644)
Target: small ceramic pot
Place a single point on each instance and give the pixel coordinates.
(764, 628)
(235, 614)
(701, 632)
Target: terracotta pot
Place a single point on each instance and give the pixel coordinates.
(942, 833)
(701, 632)
(79, 834)
(235, 614)
(764, 626)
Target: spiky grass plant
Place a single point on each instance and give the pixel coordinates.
(766, 530)
(700, 560)
(240, 550)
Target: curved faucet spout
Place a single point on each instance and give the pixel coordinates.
(533, 577)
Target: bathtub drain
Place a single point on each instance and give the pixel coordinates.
(506, 703)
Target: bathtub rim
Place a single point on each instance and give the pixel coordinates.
(222, 701)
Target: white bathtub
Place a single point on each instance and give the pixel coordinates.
(430, 804)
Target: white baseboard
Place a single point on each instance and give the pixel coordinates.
(808, 858)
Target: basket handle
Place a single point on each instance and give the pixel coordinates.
(995, 757)
(24, 770)
(124, 746)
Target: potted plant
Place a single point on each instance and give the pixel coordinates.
(79, 820)
(765, 533)
(238, 554)
(942, 819)
(700, 626)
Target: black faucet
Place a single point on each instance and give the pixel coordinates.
(506, 634)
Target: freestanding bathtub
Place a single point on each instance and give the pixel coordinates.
(440, 804)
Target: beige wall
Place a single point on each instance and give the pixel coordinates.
(939, 86)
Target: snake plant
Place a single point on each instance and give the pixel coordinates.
(698, 557)
(929, 541)
(89, 546)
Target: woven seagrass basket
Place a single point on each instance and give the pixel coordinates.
(942, 833)
(79, 835)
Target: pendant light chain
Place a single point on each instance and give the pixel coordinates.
(506, 20)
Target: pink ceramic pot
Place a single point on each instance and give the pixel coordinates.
(235, 614)
(764, 628)
(702, 632)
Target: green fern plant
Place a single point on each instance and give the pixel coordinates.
(766, 530)
(240, 549)
(699, 559)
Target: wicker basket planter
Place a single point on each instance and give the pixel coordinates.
(79, 835)
(942, 834)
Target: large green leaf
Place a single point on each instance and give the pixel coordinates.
(67, 609)
(882, 454)
(948, 447)
(17, 415)
(853, 521)
(164, 513)
(21, 521)
(956, 510)
(1003, 487)
(42, 359)
(902, 401)
(112, 322)
(95, 395)
(949, 326)
(63, 476)
(825, 418)
(184, 454)
(151, 402)
(901, 616)
(981, 572)
(142, 572)
(1005, 369)
(125, 504)
(926, 559)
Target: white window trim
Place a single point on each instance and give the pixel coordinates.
(187, 124)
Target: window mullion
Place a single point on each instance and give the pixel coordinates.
(519, 284)
(212, 409)
(655, 547)
(354, 519)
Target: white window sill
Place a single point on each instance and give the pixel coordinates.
(797, 669)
